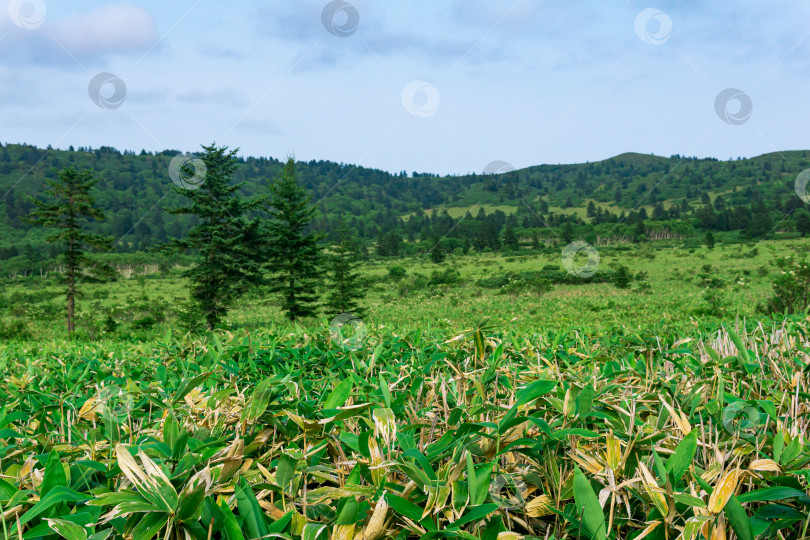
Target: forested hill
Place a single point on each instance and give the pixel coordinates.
(603, 197)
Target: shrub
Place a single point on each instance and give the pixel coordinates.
(14, 329)
(791, 286)
(397, 272)
(444, 277)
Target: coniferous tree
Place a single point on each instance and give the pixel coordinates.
(437, 254)
(622, 277)
(709, 239)
(294, 254)
(568, 233)
(226, 240)
(510, 239)
(346, 288)
(68, 213)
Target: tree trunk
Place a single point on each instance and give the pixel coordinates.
(71, 299)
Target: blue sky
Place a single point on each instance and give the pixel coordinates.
(443, 87)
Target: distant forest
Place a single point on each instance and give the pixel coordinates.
(628, 198)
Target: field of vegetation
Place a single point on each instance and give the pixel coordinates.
(488, 396)
(485, 433)
(672, 288)
(248, 378)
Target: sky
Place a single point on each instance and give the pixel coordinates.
(445, 87)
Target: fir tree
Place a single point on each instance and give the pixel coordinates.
(510, 239)
(227, 242)
(622, 277)
(69, 211)
(346, 288)
(294, 252)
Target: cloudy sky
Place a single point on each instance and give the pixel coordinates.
(444, 87)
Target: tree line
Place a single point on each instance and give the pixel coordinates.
(238, 243)
(377, 205)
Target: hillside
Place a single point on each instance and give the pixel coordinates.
(686, 193)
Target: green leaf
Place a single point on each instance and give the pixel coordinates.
(280, 524)
(259, 400)
(189, 385)
(742, 353)
(386, 393)
(171, 430)
(349, 513)
(191, 500)
(250, 510)
(777, 493)
(404, 507)
(58, 494)
(685, 498)
(285, 470)
(679, 462)
(483, 477)
(338, 396)
(738, 519)
(54, 474)
(534, 391)
(472, 479)
(476, 513)
(230, 525)
(593, 519)
(117, 497)
(149, 526)
(67, 529)
(585, 400)
(6, 490)
(313, 530)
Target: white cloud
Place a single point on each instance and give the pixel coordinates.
(109, 29)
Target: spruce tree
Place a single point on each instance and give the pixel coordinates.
(226, 241)
(622, 277)
(346, 288)
(510, 239)
(69, 211)
(294, 254)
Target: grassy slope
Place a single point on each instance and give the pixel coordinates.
(673, 300)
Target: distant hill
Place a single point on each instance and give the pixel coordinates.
(535, 200)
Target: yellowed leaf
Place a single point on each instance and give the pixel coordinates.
(764, 465)
(539, 506)
(723, 491)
